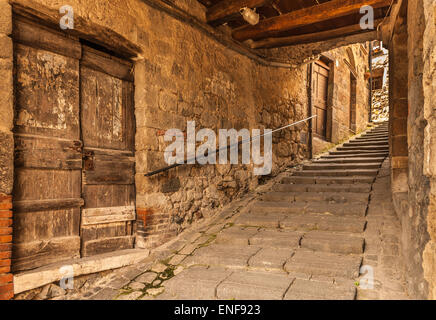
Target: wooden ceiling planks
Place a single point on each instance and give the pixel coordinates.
(292, 19)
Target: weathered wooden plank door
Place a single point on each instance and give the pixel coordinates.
(319, 98)
(48, 150)
(109, 166)
(74, 131)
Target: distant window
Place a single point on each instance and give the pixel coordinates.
(377, 83)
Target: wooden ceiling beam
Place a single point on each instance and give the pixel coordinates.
(310, 37)
(299, 18)
(227, 9)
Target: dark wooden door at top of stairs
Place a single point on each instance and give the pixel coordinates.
(320, 80)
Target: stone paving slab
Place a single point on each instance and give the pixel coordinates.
(333, 242)
(222, 255)
(253, 285)
(315, 196)
(317, 290)
(324, 264)
(196, 283)
(348, 209)
(284, 207)
(236, 235)
(262, 219)
(276, 239)
(308, 222)
(271, 260)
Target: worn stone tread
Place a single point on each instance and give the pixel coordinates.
(338, 172)
(316, 196)
(324, 264)
(254, 285)
(318, 290)
(308, 222)
(327, 241)
(229, 256)
(316, 188)
(276, 239)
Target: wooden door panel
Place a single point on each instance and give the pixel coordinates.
(109, 163)
(48, 150)
(319, 98)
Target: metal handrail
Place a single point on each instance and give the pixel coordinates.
(226, 148)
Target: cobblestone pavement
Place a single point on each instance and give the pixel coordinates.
(323, 232)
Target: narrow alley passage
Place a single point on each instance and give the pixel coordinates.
(325, 232)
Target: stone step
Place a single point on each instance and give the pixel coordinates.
(224, 255)
(369, 140)
(277, 239)
(366, 144)
(357, 155)
(324, 264)
(316, 196)
(350, 160)
(353, 188)
(363, 148)
(337, 173)
(255, 285)
(374, 136)
(335, 166)
(318, 207)
(326, 241)
(327, 180)
(357, 152)
(303, 289)
(313, 221)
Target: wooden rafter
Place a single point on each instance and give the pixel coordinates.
(226, 9)
(311, 37)
(307, 16)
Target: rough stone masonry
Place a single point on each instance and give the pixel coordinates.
(192, 71)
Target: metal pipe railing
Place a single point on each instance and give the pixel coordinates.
(228, 147)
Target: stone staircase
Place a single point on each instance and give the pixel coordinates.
(309, 229)
(305, 236)
(326, 204)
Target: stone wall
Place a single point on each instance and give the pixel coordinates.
(429, 166)
(421, 166)
(6, 150)
(184, 74)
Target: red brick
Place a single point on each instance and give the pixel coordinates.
(7, 278)
(5, 231)
(5, 198)
(6, 288)
(5, 247)
(7, 296)
(5, 263)
(5, 214)
(5, 239)
(6, 255)
(6, 269)
(5, 223)
(5, 205)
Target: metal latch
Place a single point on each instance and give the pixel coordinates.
(88, 161)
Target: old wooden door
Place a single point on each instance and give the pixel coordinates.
(74, 141)
(109, 164)
(319, 98)
(48, 150)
